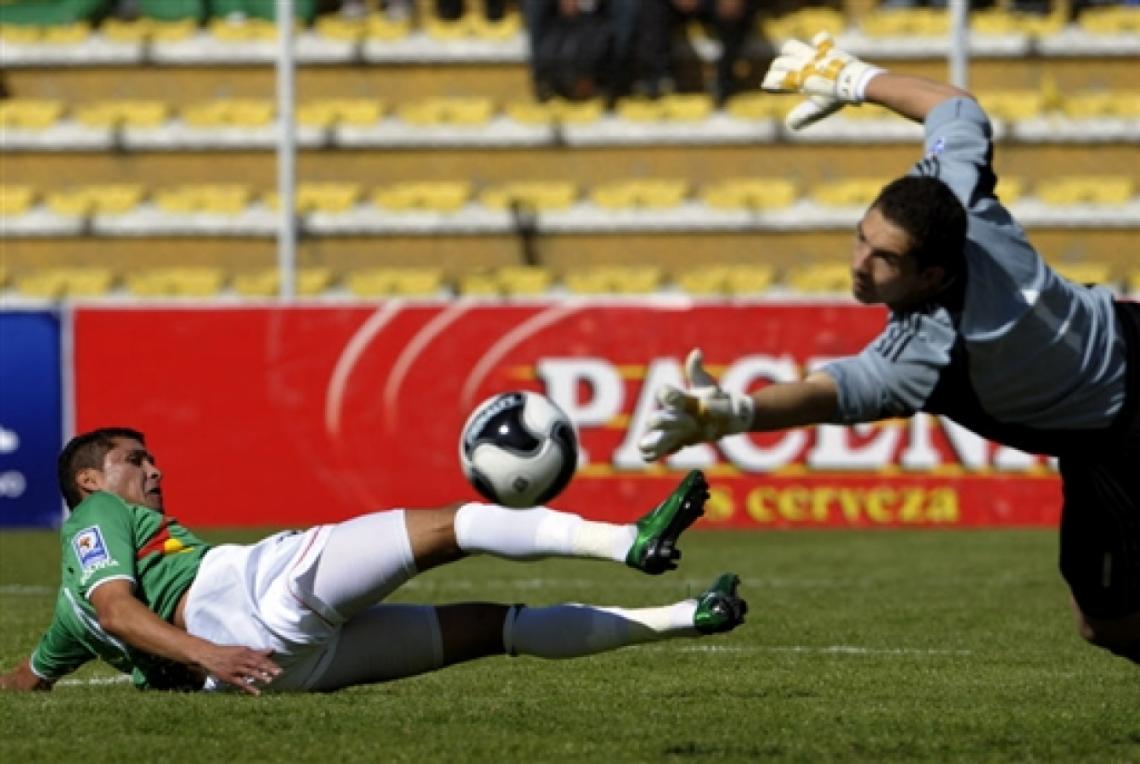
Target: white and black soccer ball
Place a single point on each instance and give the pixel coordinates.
(518, 449)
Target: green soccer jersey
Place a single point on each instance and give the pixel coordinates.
(106, 539)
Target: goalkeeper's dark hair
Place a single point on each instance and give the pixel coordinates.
(932, 217)
(87, 451)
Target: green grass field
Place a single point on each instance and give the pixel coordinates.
(860, 646)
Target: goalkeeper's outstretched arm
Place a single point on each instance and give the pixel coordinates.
(909, 96)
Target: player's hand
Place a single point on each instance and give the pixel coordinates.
(242, 667)
(701, 412)
(828, 76)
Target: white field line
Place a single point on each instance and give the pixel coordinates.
(27, 590)
(918, 652)
(94, 681)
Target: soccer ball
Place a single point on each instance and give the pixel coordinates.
(518, 449)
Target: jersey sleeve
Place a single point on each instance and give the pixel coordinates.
(896, 373)
(101, 547)
(58, 653)
(959, 150)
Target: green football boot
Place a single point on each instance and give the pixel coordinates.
(655, 550)
(719, 608)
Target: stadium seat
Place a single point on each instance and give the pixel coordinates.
(905, 22)
(505, 28)
(30, 114)
(382, 27)
(649, 193)
(1012, 105)
(802, 24)
(66, 34)
(614, 279)
(175, 282)
(1124, 104)
(440, 196)
(267, 283)
(539, 196)
(447, 111)
(1111, 20)
(555, 110)
(1134, 281)
(16, 200)
(848, 192)
(321, 197)
(750, 193)
(117, 113)
(514, 280)
(725, 280)
(1009, 189)
(165, 31)
(240, 30)
(820, 278)
(225, 199)
(121, 30)
(111, 199)
(336, 27)
(755, 106)
(1087, 189)
(1085, 273)
(479, 283)
(403, 282)
(242, 112)
(57, 283)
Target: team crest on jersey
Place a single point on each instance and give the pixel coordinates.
(938, 147)
(90, 549)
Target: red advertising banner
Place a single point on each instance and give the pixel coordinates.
(292, 416)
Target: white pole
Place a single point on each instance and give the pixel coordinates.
(286, 153)
(959, 43)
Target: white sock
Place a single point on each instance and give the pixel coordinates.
(571, 631)
(526, 534)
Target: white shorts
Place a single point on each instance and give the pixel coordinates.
(260, 597)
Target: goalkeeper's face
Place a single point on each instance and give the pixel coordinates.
(882, 271)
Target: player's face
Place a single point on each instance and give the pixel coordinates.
(130, 473)
(881, 271)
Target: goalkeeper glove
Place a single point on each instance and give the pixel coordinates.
(828, 76)
(699, 413)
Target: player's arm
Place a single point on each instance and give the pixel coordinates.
(125, 617)
(704, 412)
(908, 96)
(23, 679)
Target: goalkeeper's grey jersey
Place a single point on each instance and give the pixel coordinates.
(1031, 349)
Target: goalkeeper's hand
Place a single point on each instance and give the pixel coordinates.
(828, 76)
(700, 412)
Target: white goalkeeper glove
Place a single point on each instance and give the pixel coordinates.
(701, 412)
(828, 76)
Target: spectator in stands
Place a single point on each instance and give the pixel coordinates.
(450, 10)
(731, 21)
(579, 49)
(298, 611)
(980, 330)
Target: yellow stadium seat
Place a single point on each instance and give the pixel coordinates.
(1087, 189)
(226, 113)
(682, 107)
(750, 193)
(30, 114)
(640, 109)
(754, 106)
(802, 24)
(1112, 20)
(555, 110)
(1123, 104)
(905, 22)
(472, 110)
(16, 200)
(335, 27)
(524, 280)
(381, 27)
(115, 113)
(1085, 273)
(445, 29)
(321, 197)
(865, 111)
(173, 31)
(66, 34)
(820, 278)
(175, 282)
(113, 199)
(56, 283)
(245, 30)
(1012, 104)
(536, 195)
(120, 30)
(221, 198)
(440, 196)
(650, 193)
(479, 284)
(19, 34)
(848, 192)
(1134, 280)
(267, 283)
(406, 282)
(1009, 189)
(614, 279)
(726, 279)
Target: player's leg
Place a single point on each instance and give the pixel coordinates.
(387, 642)
(367, 558)
(1100, 548)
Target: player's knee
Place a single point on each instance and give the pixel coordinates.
(431, 533)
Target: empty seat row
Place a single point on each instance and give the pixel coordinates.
(519, 281)
(41, 114)
(537, 196)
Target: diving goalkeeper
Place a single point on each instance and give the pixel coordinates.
(980, 330)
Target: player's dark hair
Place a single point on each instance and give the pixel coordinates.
(87, 451)
(932, 217)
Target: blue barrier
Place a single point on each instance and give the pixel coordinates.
(31, 418)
